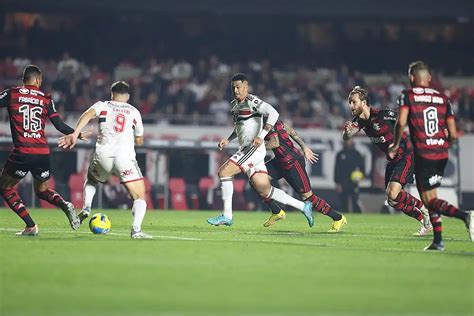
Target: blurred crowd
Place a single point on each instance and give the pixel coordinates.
(181, 92)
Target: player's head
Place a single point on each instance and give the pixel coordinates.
(32, 76)
(419, 74)
(240, 86)
(120, 91)
(358, 100)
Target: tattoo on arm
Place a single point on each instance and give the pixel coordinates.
(294, 135)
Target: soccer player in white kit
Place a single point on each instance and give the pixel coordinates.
(248, 111)
(120, 128)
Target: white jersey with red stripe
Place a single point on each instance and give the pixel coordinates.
(248, 119)
(119, 124)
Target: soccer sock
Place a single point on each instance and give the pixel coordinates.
(436, 221)
(284, 198)
(442, 207)
(138, 212)
(272, 205)
(16, 204)
(89, 192)
(408, 204)
(51, 197)
(227, 187)
(323, 207)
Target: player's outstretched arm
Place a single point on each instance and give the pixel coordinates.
(69, 141)
(272, 117)
(308, 153)
(225, 141)
(400, 126)
(272, 142)
(350, 129)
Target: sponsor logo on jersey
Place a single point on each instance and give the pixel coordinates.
(21, 173)
(435, 142)
(376, 126)
(45, 174)
(418, 90)
(4, 94)
(436, 179)
(31, 135)
(127, 172)
(378, 140)
(24, 91)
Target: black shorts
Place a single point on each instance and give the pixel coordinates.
(429, 173)
(18, 166)
(295, 174)
(400, 171)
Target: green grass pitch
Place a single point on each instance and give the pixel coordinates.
(374, 267)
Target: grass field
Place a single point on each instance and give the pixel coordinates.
(374, 267)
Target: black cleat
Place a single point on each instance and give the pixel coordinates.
(435, 247)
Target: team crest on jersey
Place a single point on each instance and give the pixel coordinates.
(24, 91)
(376, 126)
(418, 90)
(45, 174)
(436, 179)
(20, 173)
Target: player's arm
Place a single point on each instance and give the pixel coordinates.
(308, 153)
(58, 123)
(272, 142)
(400, 126)
(272, 116)
(138, 130)
(69, 141)
(225, 141)
(451, 125)
(5, 98)
(350, 129)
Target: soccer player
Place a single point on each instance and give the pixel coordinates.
(120, 128)
(247, 111)
(289, 163)
(378, 125)
(28, 108)
(430, 119)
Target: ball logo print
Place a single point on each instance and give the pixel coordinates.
(99, 224)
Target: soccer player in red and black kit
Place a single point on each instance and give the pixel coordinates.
(289, 163)
(430, 119)
(378, 125)
(28, 108)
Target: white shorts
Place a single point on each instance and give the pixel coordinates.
(250, 160)
(124, 167)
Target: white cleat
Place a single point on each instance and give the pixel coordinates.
(29, 231)
(140, 235)
(470, 224)
(70, 211)
(424, 229)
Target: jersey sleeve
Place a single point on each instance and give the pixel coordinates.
(98, 107)
(403, 99)
(138, 125)
(52, 111)
(449, 109)
(265, 109)
(388, 116)
(5, 98)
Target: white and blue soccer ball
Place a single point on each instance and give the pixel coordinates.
(100, 224)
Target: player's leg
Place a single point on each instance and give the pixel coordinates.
(277, 212)
(10, 177)
(98, 172)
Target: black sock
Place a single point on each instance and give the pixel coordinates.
(334, 215)
(273, 205)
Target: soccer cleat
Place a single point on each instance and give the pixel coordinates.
(84, 214)
(274, 218)
(337, 225)
(424, 229)
(426, 216)
(435, 247)
(70, 211)
(29, 231)
(470, 224)
(140, 235)
(308, 213)
(220, 220)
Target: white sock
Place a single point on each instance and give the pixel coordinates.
(227, 187)
(89, 192)
(138, 212)
(280, 196)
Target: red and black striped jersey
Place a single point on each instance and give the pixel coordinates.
(379, 128)
(28, 108)
(429, 110)
(286, 153)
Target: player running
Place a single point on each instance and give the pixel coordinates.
(28, 108)
(378, 125)
(247, 111)
(120, 128)
(289, 163)
(430, 118)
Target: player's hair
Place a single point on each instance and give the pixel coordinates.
(415, 67)
(239, 76)
(363, 94)
(31, 72)
(120, 87)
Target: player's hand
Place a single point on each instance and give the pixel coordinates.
(257, 142)
(67, 141)
(86, 134)
(392, 150)
(310, 155)
(224, 142)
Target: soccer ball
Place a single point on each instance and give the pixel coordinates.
(99, 224)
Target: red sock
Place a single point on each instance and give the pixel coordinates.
(16, 204)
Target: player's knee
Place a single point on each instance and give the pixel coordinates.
(40, 187)
(392, 194)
